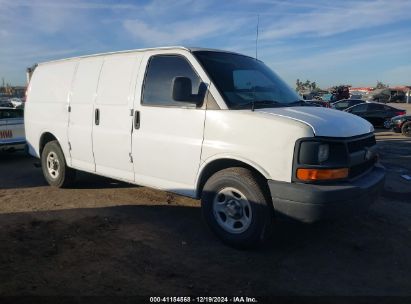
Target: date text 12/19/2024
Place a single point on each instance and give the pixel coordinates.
(239, 299)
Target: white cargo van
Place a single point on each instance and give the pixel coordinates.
(208, 124)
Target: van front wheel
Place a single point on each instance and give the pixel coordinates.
(236, 208)
(54, 166)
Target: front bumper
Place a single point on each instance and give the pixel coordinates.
(312, 202)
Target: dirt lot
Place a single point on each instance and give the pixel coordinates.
(107, 238)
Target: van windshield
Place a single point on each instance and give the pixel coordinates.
(245, 82)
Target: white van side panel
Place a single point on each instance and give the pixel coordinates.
(112, 136)
(46, 109)
(80, 125)
(258, 140)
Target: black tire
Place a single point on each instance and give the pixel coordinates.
(253, 188)
(63, 176)
(406, 129)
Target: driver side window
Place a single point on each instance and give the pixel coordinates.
(158, 83)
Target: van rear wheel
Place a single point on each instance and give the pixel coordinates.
(236, 208)
(55, 169)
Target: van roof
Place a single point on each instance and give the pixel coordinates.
(190, 49)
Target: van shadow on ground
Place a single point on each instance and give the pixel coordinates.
(166, 250)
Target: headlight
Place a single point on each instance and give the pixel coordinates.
(319, 153)
(399, 118)
(398, 121)
(320, 160)
(323, 152)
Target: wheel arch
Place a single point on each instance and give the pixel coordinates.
(212, 166)
(45, 138)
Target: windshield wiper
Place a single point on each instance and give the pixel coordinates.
(255, 103)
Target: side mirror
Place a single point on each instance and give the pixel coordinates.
(182, 89)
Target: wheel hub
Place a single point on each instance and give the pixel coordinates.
(53, 165)
(234, 209)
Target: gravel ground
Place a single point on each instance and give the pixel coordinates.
(102, 237)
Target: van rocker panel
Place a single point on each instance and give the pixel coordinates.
(312, 202)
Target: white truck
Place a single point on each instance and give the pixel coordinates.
(204, 123)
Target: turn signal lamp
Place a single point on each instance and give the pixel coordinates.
(321, 174)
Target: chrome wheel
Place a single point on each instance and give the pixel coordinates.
(53, 165)
(232, 210)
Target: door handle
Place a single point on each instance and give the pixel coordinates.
(136, 120)
(97, 117)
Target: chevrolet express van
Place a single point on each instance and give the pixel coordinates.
(208, 124)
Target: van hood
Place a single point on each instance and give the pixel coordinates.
(323, 121)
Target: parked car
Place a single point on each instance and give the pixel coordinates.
(376, 113)
(17, 102)
(402, 124)
(5, 103)
(386, 95)
(208, 124)
(345, 103)
(11, 129)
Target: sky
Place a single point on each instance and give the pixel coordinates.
(330, 42)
